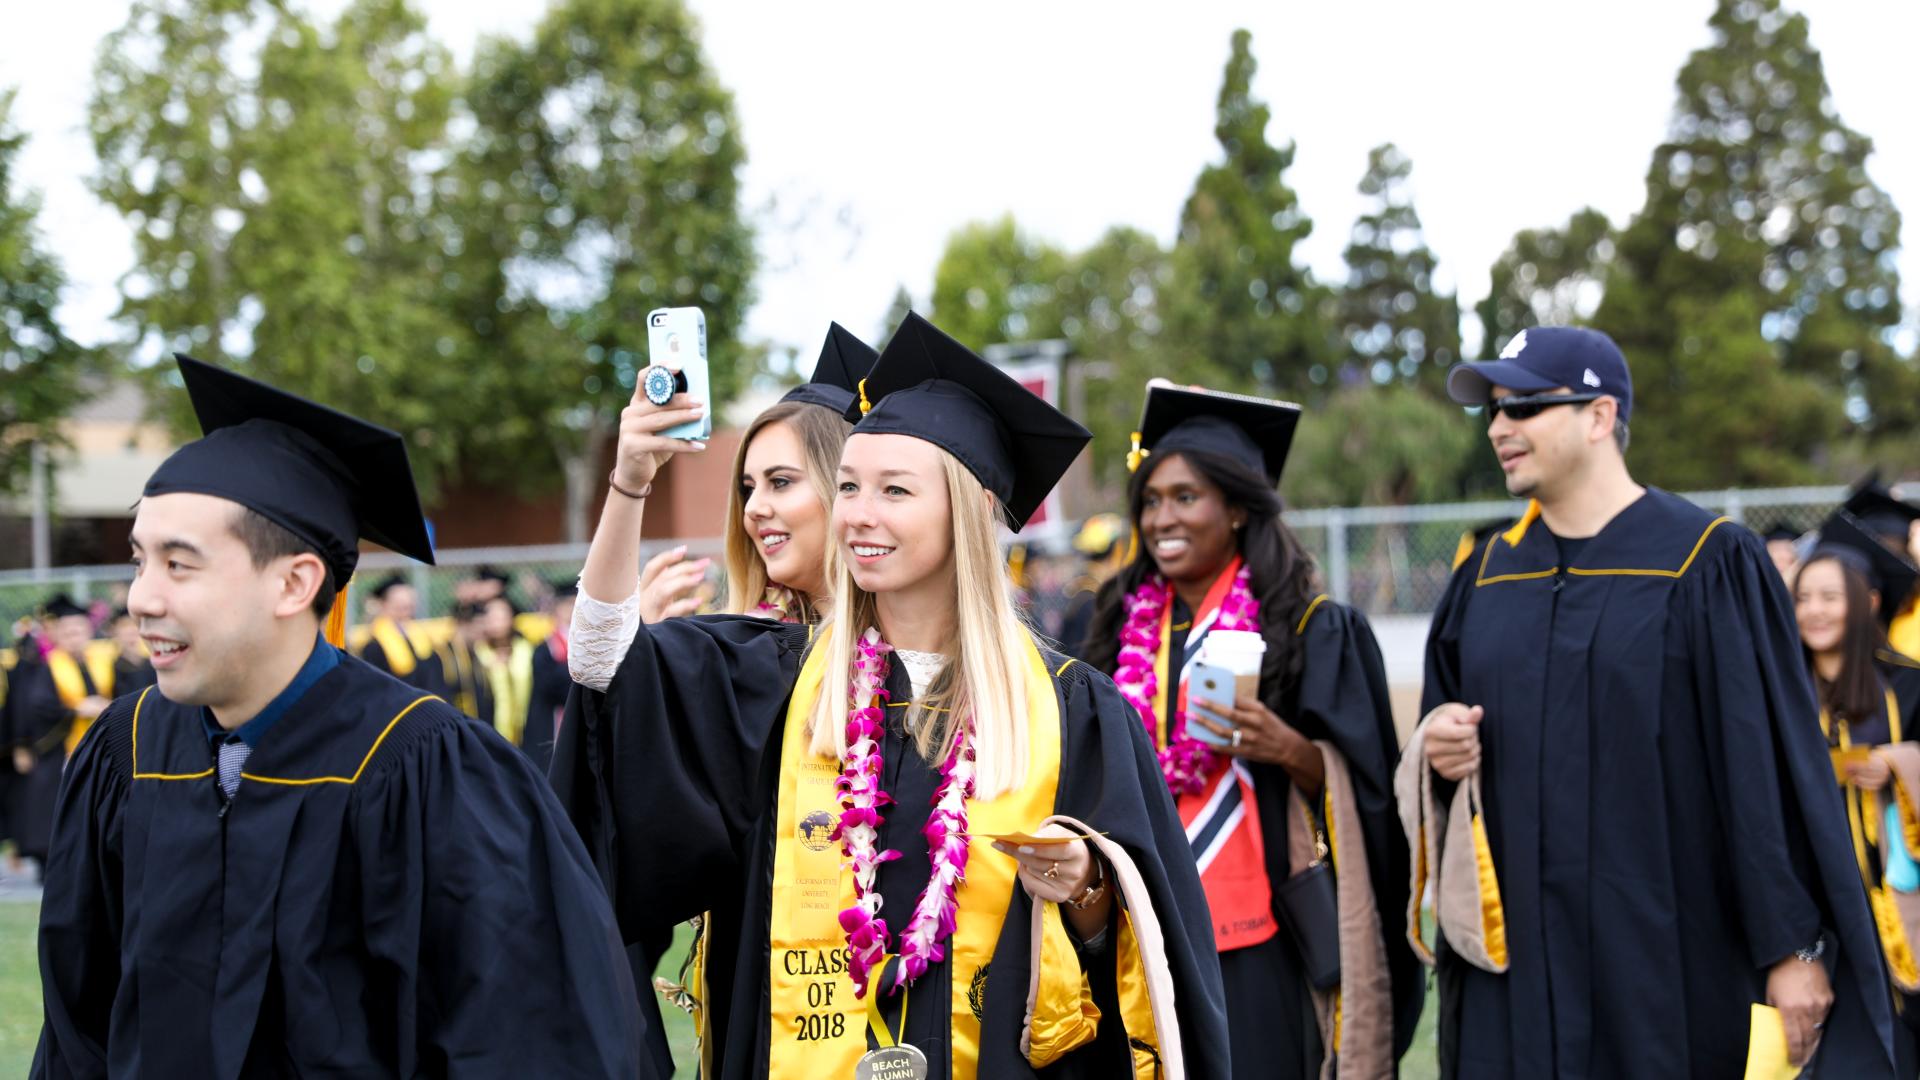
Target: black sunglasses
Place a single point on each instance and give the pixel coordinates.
(1529, 406)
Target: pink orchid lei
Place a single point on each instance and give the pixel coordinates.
(861, 798)
(1185, 761)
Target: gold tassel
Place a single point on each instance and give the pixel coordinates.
(1136, 455)
(865, 405)
(336, 630)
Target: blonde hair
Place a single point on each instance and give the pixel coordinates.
(821, 433)
(985, 659)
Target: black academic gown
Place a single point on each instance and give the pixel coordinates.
(545, 704)
(1341, 697)
(1901, 675)
(40, 723)
(426, 672)
(671, 777)
(132, 676)
(392, 892)
(1660, 807)
(461, 680)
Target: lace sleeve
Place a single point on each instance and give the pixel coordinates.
(600, 637)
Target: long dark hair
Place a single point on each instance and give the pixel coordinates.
(1855, 694)
(1281, 572)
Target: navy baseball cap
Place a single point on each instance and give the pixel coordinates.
(1542, 358)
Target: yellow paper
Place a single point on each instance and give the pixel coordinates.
(1852, 755)
(1019, 838)
(1767, 1046)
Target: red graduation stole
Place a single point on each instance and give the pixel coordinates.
(1223, 820)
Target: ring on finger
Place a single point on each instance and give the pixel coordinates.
(1052, 871)
(1236, 737)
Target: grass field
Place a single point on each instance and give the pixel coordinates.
(20, 1002)
(19, 987)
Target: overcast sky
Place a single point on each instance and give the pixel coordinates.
(875, 129)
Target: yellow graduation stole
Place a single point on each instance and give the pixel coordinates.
(818, 1027)
(1863, 821)
(1903, 636)
(404, 648)
(512, 684)
(73, 689)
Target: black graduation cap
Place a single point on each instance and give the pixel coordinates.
(1780, 531)
(1873, 503)
(487, 572)
(388, 584)
(931, 387)
(1256, 432)
(324, 476)
(844, 361)
(1845, 538)
(61, 606)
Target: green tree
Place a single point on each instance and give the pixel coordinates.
(1396, 326)
(42, 372)
(1754, 292)
(1546, 277)
(603, 180)
(172, 114)
(283, 202)
(1369, 445)
(343, 252)
(994, 283)
(1246, 316)
(897, 310)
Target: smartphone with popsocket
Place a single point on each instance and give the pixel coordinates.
(677, 340)
(1214, 685)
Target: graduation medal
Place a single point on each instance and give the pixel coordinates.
(894, 1060)
(902, 1062)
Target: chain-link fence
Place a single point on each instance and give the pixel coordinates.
(1395, 560)
(532, 573)
(1387, 560)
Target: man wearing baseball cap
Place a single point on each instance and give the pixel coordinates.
(1615, 698)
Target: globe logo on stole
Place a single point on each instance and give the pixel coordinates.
(816, 830)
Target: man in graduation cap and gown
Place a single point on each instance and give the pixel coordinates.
(1645, 840)
(1896, 524)
(686, 778)
(279, 861)
(395, 644)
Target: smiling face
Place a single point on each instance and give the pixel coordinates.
(208, 615)
(781, 510)
(892, 519)
(71, 634)
(1186, 522)
(401, 603)
(1822, 608)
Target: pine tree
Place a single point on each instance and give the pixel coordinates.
(1247, 317)
(1395, 325)
(1546, 277)
(1754, 292)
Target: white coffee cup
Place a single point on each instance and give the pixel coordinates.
(1238, 651)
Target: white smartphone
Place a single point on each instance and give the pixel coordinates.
(1215, 686)
(677, 339)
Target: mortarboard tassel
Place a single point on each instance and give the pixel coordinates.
(865, 405)
(336, 630)
(1136, 455)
